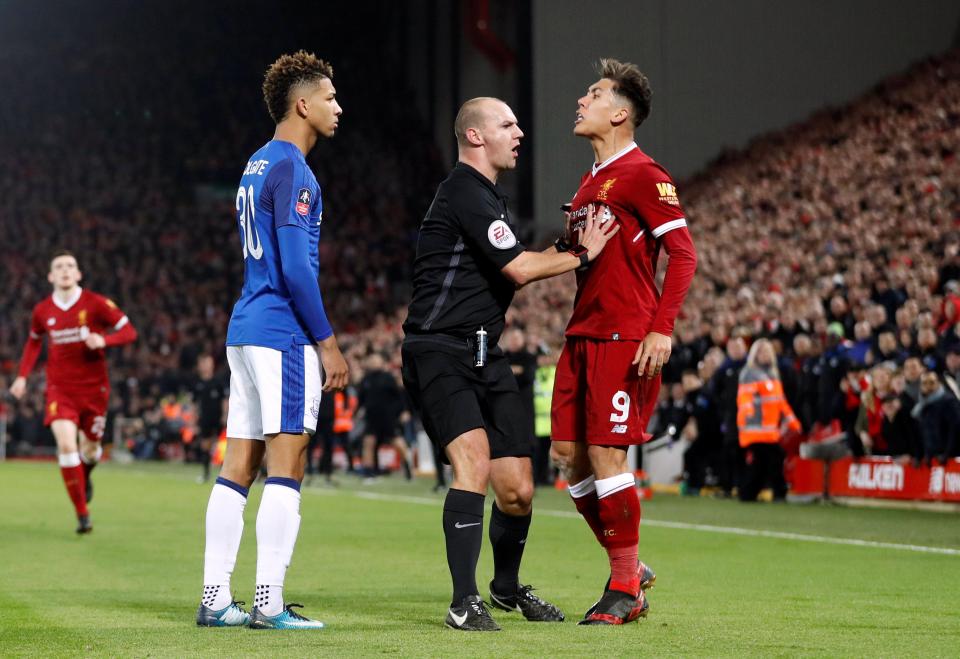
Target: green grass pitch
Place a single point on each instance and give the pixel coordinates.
(369, 562)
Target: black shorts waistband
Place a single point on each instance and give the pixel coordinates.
(467, 344)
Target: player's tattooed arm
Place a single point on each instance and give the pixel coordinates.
(563, 461)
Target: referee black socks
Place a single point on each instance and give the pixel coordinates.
(463, 529)
(508, 536)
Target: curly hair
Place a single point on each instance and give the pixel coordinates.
(630, 84)
(288, 72)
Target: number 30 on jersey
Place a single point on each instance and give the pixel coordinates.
(248, 228)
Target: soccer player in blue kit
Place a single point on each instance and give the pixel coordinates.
(277, 342)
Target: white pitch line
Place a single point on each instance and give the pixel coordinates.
(708, 528)
(785, 535)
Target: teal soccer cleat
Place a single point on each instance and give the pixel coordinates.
(286, 619)
(231, 616)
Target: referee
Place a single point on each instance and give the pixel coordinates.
(469, 263)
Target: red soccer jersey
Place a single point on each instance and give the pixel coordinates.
(69, 361)
(617, 297)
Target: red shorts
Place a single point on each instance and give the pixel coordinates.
(598, 398)
(86, 407)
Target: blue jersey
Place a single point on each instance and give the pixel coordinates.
(277, 190)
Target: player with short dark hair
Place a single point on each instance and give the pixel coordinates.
(618, 338)
(79, 324)
(277, 342)
(468, 266)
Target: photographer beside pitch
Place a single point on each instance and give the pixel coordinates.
(468, 266)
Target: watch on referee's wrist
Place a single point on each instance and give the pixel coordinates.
(561, 245)
(581, 253)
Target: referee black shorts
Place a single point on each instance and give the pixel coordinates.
(453, 397)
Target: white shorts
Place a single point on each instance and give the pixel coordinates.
(273, 391)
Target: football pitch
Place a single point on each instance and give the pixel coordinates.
(733, 579)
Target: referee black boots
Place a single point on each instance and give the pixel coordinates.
(524, 601)
(471, 615)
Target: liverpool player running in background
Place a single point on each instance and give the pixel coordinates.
(80, 324)
(277, 341)
(618, 338)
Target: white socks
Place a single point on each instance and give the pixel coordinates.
(278, 523)
(583, 488)
(604, 487)
(269, 599)
(224, 529)
(69, 459)
(612, 485)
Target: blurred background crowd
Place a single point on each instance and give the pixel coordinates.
(838, 239)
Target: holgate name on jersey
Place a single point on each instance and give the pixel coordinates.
(255, 167)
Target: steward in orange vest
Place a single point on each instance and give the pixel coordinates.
(344, 407)
(761, 411)
(761, 407)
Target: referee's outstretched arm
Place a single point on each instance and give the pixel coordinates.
(533, 266)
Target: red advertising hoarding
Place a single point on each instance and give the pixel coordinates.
(877, 477)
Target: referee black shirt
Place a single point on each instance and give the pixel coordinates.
(465, 239)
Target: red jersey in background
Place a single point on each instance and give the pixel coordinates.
(70, 363)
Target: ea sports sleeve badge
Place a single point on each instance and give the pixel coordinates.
(500, 235)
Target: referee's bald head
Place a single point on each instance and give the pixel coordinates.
(472, 114)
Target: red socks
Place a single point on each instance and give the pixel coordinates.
(588, 506)
(75, 479)
(611, 508)
(620, 514)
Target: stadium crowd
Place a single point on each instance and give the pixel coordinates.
(836, 238)
(139, 184)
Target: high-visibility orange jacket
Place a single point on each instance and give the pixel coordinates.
(344, 407)
(761, 406)
(220, 448)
